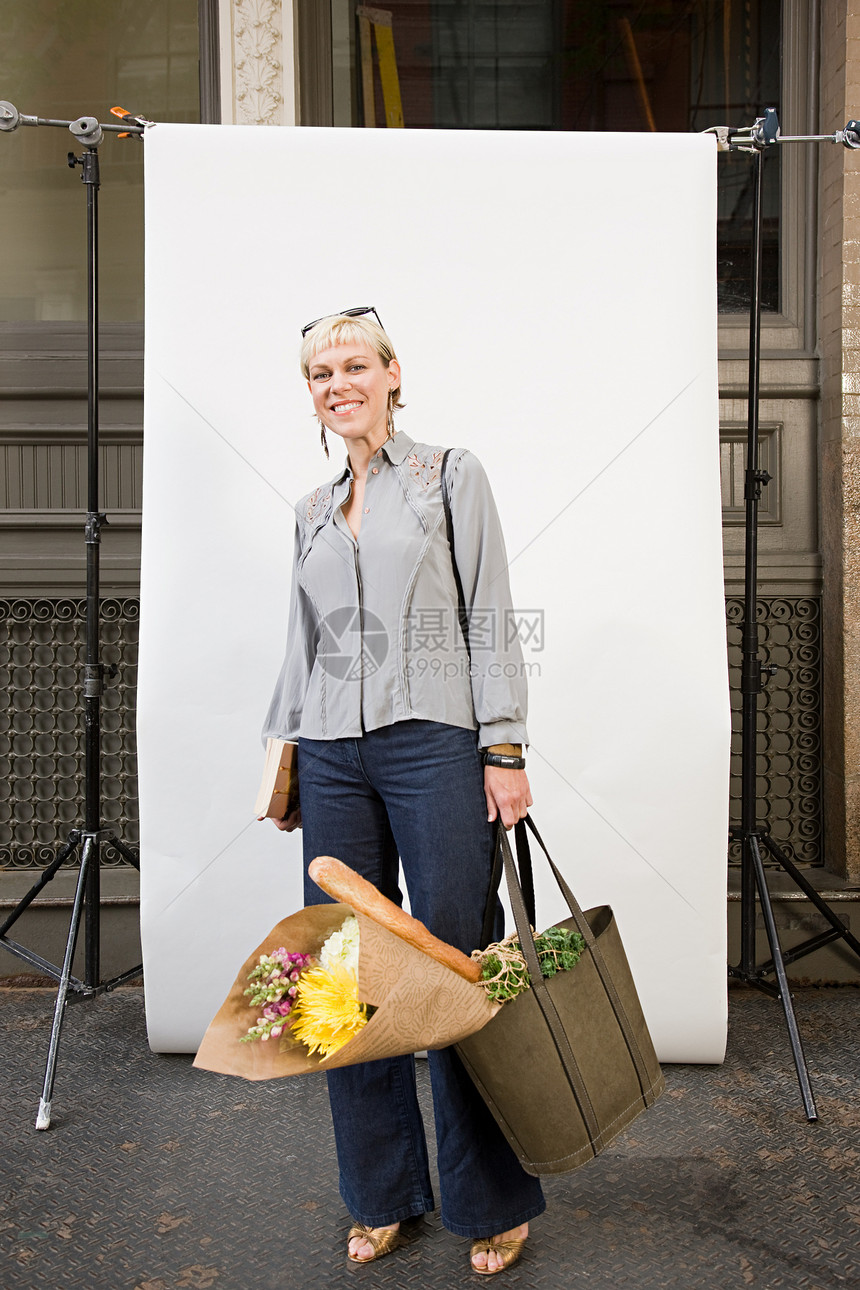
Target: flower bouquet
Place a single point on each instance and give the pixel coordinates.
(347, 982)
(549, 1027)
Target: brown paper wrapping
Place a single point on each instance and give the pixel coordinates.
(420, 1003)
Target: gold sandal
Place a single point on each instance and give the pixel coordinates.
(383, 1240)
(507, 1251)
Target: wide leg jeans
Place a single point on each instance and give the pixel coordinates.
(413, 791)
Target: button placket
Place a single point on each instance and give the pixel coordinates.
(374, 470)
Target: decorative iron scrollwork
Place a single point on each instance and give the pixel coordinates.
(41, 744)
(42, 653)
(789, 724)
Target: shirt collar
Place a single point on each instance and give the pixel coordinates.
(395, 450)
(345, 474)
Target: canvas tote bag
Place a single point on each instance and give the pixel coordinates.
(568, 1064)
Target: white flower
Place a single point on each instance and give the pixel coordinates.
(342, 947)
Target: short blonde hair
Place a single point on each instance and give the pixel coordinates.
(340, 329)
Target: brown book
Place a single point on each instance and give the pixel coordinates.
(279, 791)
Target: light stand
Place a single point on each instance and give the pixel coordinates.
(753, 837)
(88, 132)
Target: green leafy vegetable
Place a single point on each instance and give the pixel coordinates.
(504, 973)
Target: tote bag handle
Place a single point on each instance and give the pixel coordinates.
(542, 995)
(526, 882)
(496, 877)
(449, 529)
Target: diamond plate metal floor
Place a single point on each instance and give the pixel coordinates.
(156, 1176)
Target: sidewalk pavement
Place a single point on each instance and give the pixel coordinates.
(155, 1176)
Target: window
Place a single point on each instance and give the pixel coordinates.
(65, 60)
(608, 65)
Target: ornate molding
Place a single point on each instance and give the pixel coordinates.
(260, 67)
(50, 473)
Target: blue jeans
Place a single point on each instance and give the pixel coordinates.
(414, 790)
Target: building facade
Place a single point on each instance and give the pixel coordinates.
(548, 64)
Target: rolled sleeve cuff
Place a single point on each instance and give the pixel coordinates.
(502, 732)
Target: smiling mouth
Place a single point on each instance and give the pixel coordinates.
(341, 409)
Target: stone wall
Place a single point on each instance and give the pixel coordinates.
(839, 340)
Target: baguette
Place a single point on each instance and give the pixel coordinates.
(347, 886)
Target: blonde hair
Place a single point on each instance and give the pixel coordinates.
(339, 329)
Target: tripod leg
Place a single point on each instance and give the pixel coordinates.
(124, 850)
(784, 992)
(43, 1119)
(60, 859)
(811, 894)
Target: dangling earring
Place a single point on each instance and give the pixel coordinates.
(323, 440)
(391, 429)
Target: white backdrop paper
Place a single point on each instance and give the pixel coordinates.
(552, 298)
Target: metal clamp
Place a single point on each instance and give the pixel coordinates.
(94, 522)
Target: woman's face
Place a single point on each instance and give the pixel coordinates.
(349, 385)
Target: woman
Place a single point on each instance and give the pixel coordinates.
(406, 751)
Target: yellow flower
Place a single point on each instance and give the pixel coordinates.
(327, 1013)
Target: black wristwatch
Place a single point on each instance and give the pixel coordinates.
(505, 760)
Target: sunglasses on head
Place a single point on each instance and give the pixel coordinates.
(344, 313)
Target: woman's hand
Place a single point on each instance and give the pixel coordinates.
(290, 822)
(508, 794)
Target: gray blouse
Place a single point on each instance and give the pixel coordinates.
(374, 635)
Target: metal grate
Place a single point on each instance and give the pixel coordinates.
(789, 724)
(42, 653)
(41, 745)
